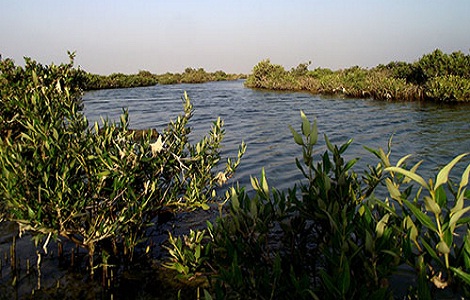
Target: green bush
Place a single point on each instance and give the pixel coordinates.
(331, 237)
(145, 78)
(271, 76)
(438, 63)
(448, 88)
(436, 76)
(119, 80)
(17, 86)
(98, 186)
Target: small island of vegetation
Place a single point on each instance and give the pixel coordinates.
(436, 76)
(146, 78)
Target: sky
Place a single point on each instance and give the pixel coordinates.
(233, 36)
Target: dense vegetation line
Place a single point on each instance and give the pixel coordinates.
(436, 76)
(145, 78)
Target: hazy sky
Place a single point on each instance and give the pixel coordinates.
(160, 36)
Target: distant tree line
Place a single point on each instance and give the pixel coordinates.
(436, 76)
(146, 78)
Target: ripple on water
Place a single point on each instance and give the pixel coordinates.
(435, 133)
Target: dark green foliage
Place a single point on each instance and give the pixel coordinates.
(448, 88)
(331, 238)
(99, 186)
(119, 80)
(270, 76)
(145, 78)
(20, 90)
(436, 76)
(301, 69)
(438, 63)
(318, 242)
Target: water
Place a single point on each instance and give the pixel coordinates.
(430, 132)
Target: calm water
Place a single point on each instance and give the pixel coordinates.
(430, 132)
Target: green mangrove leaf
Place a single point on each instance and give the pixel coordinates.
(466, 249)
(443, 175)
(55, 134)
(402, 160)
(458, 203)
(431, 205)
(234, 199)
(373, 151)
(362, 210)
(455, 217)
(380, 228)
(345, 146)
(58, 87)
(254, 208)
(207, 295)
(409, 174)
(264, 182)
(391, 253)
(410, 226)
(306, 126)
(464, 180)
(197, 252)
(369, 243)
(332, 221)
(431, 252)
(299, 166)
(104, 173)
(393, 190)
(440, 196)
(255, 184)
(123, 119)
(448, 237)
(328, 282)
(328, 144)
(422, 217)
(424, 290)
(35, 77)
(297, 137)
(350, 164)
(186, 99)
(463, 275)
(204, 206)
(413, 170)
(314, 133)
(31, 213)
(327, 182)
(443, 248)
(384, 157)
(345, 277)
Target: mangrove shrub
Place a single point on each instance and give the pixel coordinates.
(332, 237)
(99, 186)
(436, 76)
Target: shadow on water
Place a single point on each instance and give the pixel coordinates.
(430, 132)
(30, 272)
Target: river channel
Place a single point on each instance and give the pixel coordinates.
(434, 133)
